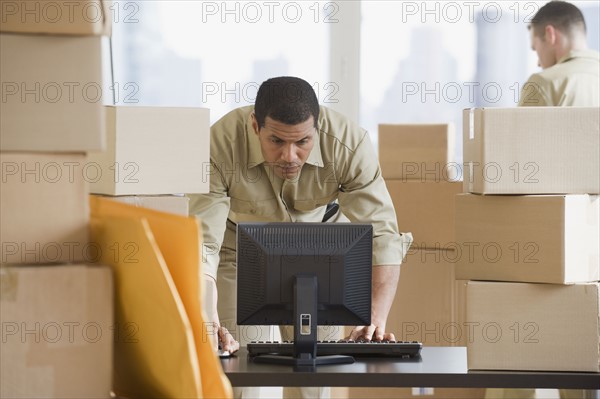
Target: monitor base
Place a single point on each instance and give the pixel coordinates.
(304, 361)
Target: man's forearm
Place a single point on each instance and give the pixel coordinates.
(385, 282)
(215, 331)
(210, 299)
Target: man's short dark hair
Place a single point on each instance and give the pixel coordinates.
(286, 99)
(562, 15)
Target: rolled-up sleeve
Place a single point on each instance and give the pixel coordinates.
(211, 211)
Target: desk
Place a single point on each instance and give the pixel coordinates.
(440, 367)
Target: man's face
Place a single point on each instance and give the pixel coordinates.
(542, 46)
(285, 147)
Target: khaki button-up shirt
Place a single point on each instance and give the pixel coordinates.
(572, 81)
(341, 166)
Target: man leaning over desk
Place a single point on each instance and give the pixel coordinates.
(286, 159)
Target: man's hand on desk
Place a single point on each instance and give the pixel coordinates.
(370, 333)
(226, 341)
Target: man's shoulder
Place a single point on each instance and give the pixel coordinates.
(549, 75)
(237, 115)
(586, 62)
(540, 79)
(587, 55)
(336, 126)
(330, 116)
(545, 81)
(536, 91)
(233, 123)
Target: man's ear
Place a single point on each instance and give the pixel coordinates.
(550, 34)
(255, 124)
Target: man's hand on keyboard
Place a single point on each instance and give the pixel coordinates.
(368, 333)
(227, 342)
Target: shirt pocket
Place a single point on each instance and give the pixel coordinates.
(307, 205)
(264, 207)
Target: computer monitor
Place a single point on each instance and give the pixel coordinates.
(304, 274)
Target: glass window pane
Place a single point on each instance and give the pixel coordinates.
(216, 54)
(424, 62)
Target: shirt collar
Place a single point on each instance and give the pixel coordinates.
(579, 54)
(315, 157)
(255, 156)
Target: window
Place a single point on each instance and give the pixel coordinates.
(215, 54)
(424, 62)
(420, 61)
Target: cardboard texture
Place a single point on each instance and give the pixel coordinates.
(154, 150)
(177, 205)
(430, 307)
(418, 152)
(424, 308)
(426, 209)
(44, 211)
(86, 17)
(535, 238)
(177, 359)
(57, 331)
(532, 150)
(543, 327)
(459, 303)
(57, 107)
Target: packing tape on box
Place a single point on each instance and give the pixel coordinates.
(471, 123)
(471, 174)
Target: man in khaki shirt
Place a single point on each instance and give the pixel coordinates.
(284, 160)
(570, 69)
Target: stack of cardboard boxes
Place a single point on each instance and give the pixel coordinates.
(56, 308)
(419, 168)
(60, 143)
(528, 229)
(417, 163)
(154, 153)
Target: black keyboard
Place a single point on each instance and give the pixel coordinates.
(398, 349)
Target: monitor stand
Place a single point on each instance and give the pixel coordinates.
(305, 330)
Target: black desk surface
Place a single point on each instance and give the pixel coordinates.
(438, 367)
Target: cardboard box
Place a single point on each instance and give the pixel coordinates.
(57, 331)
(542, 327)
(532, 150)
(44, 209)
(426, 209)
(154, 150)
(418, 152)
(459, 302)
(533, 238)
(424, 308)
(175, 204)
(84, 17)
(52, 89)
